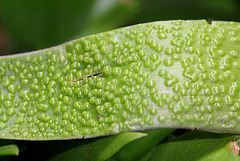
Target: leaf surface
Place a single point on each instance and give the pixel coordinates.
(178, 74)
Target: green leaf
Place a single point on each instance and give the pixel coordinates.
(99, 150)
(197, 146)
(175, 74)
(9, 150)
(138, 148)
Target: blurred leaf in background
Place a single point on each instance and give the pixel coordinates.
(42, 23)
(156, 10)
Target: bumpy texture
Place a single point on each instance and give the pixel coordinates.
(155, 75)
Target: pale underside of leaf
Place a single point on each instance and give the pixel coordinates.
(169, 74)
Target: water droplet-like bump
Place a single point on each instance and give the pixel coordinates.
(11, 111)
(161, 118)
(168, 62)
(3, 125)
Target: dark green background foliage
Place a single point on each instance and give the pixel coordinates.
(29, 25)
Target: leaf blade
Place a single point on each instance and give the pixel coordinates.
(177, 74)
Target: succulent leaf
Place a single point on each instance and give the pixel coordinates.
(174, 74)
